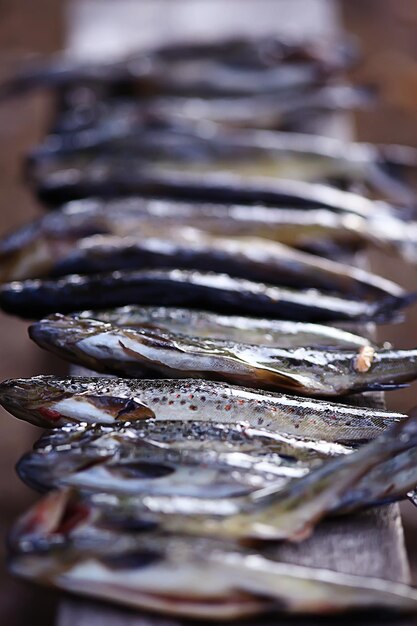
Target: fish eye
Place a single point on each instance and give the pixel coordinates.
(131, 524)
(142, 469)
(288, 457)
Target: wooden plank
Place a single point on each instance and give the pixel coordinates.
(372, 543)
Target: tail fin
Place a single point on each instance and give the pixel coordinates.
(388, 308)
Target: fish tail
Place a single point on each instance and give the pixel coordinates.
(387, 308)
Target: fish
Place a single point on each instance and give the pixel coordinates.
(263, 50)
(110, 180)
(65, 542)
(34, 298)
(280, 333)
(250, 258)
(33, 250)
(144, 352)
(285, 110)
(197, 468)
(203, 70)
(387, 482)
(292, 512)
(195, 463)
(249, 153)
(52, 402)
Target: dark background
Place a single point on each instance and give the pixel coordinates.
(387, 32)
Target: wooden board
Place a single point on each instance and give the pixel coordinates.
(371, 543)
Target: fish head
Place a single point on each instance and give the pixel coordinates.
(66, 542)
(55, 514)
(62, 333)
(33, 399)
(50, 402)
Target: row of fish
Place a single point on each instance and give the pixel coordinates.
(250, 154)
(139, 493)
(200, 258)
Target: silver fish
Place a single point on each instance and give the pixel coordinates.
(201, 290)
(64, 542)
(204, 324)
(293, 511)
(48, 401)
(229, 68)
(33, 250)
(249, 153)
(195, 468)
(61, 183)
(248, 258)
(195, 463)
(143, 351)
(282, 110)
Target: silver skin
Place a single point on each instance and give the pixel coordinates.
(49, 401)
(248, 152)
(58, 183)
(255, 111)
(197, 467)
(34, 298)
(203, 467)
(229, 67)
(148, 352)
(33, 250)
(293, 512)
(247, 257)
(136, 564)
(280, 333)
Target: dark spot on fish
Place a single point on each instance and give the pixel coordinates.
(155, 400)
(227, 407)
(131, 560)
(130, 524)
(182, 402)
(203, 398)
(142, 470)
(193, 407)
